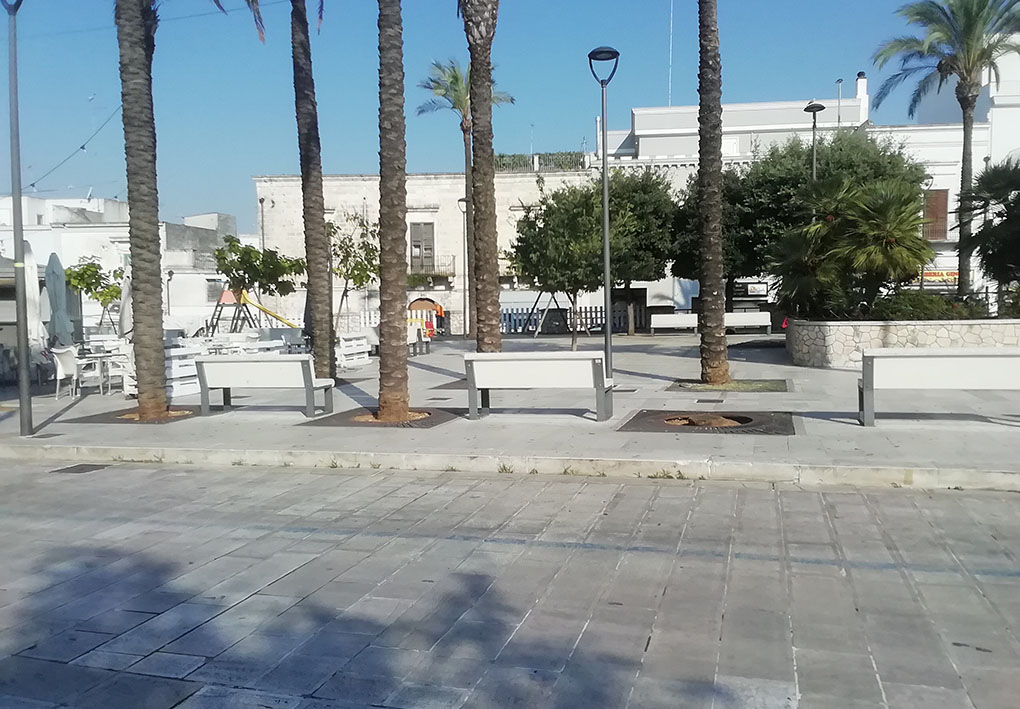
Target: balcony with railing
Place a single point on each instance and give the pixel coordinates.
(434, 266)
(541, 162)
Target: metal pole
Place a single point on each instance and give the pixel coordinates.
(839, 103)
(606, 272)
(464, 291)
(814, 146)
(21, 302)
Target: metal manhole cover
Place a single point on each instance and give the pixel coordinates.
(79, 469)
(763, 423)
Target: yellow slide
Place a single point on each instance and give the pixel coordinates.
(248, 301)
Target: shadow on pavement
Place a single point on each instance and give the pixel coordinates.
(208, 627)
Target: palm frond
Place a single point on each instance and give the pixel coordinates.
(934, 80)
(11, 7)
(501, 97)
(898, 78)
(433, 105)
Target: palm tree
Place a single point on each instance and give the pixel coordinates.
(136, 32)
(961, 39)
(997, 242)
(715, 366)
(449, 83)
(480, 27)
(393, 396)
(317, 244)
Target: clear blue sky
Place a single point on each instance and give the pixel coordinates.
(225, 104)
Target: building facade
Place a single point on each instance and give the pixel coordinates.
(665, 140)
(77, 229)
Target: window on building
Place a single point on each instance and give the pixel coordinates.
(423, 244)
(213, 289)
(936, 215)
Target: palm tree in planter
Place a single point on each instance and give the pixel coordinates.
(450, 86)
(317, 241)
(136, 22)
(961, 40)
(715, 366)
(480, 28)
(394, 399)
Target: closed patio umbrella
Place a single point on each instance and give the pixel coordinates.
(60, 328)
(127, 324)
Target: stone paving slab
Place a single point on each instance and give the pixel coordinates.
(420, 590)
(923, 438)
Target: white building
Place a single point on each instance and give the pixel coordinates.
(666, 140)
(76, 229)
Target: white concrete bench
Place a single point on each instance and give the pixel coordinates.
(536, 370)
(416, 341)
(352, 351)
(974, 368)
(689, 321)
(262, 371)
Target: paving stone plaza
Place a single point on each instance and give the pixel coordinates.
(149, 586)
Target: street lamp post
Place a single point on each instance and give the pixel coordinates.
(462, 205)
(606, 54)
(20, 293)
(169, 278)
(814, 108)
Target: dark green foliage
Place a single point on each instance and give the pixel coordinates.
(922, 305)
(857, 241)
(997, 243)
(767, 199)
(247, 268)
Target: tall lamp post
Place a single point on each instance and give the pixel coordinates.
(814, 108)
(605, 55)
(462, 204)
(20, 297)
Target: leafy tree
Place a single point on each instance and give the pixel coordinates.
(856, 241)
(641, 252)
(767, 199)
(450, 85)
(394, 399)
(997, 242)
(559, 243)
(317, 243)
(89, 277)
(480, 28)
(715, 366)
(355, 253)
(136, 22)
(247, 268)
(961, 39)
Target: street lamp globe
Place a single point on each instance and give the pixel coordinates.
(602, 55)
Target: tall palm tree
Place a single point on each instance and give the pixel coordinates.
(715, 366)
(136, 38)
(449, 84)
(961, 39)
(393, 396)
(317, 244)
(480, 27)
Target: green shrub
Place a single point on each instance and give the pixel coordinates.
(922, 305)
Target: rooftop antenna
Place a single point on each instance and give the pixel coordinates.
(669, 80)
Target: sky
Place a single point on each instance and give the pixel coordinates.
(225, 102)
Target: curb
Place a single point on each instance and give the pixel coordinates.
(706, 469)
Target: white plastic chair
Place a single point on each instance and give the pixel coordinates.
(70, 367)
(122, 365)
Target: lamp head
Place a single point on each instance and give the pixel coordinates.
(603, 54)
(814, 107)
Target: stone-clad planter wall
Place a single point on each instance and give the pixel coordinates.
(838, 345)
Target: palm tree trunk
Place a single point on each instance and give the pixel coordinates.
(715, 367)
(393, 396)
(480, 27)
(967, 102)
(469, 274)
(320, 279)
(135, 27)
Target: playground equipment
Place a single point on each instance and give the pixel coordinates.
(242, 316)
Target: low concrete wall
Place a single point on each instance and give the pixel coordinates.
(838, 345)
